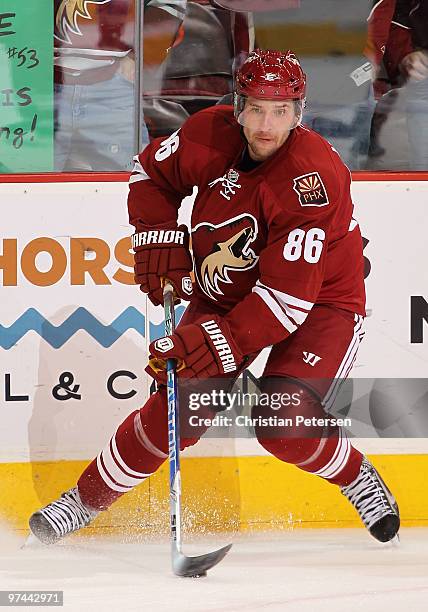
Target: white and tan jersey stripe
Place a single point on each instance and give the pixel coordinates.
(144, 440)
(290, 311)
(114, 471)
(339, 459)
(346, 364)
(138, 172)
(376, 5)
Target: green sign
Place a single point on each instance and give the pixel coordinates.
(26, 86)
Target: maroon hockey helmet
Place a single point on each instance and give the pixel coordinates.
(273, 75)
(270, 75)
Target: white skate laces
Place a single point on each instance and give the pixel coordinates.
(61, 517)
(374, 502)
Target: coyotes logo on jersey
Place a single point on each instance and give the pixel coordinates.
(66, 15)
(222, 249)
(311, 190)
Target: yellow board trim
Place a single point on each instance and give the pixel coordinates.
(219, 493)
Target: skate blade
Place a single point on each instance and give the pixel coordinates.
(395, 542)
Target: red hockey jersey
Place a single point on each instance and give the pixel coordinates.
(268, 243)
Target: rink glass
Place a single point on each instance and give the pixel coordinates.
(151, 78)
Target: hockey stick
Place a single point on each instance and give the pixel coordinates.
(181, 564)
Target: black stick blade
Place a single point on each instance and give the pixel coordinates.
(197, 566)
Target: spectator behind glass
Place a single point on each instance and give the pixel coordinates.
(387, 42)
(94, 78)
(414, 67)
(399, 49)
(329, 38)
(198, 70)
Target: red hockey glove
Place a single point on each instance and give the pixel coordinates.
(162, 251)
(202, 350)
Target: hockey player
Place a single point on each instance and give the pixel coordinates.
(277, 258)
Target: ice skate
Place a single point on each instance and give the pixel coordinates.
(61, 517)
(374, 503)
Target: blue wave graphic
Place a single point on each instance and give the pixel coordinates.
(58, 335)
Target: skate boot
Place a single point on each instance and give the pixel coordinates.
(374, 503)
(61, 517)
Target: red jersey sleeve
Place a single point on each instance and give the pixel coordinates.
(168, 168)
(160, 179)
(389, 35)
(379, 24)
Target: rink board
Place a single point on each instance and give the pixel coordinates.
(220, 494)
(70, 307)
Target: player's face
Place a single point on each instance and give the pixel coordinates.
(267, 125)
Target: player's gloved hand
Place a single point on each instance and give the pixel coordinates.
(162, 251)
(202, 350)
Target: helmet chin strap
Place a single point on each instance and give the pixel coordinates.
(241, 130)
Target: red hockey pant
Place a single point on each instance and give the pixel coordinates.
(313, 362)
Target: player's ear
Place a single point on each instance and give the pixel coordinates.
(298, 111)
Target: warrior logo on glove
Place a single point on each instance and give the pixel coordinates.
(163, 345)
(162, 252)
(201, 350)
(186, 285)
(223, 248)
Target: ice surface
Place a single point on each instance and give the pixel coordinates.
(301, 570)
